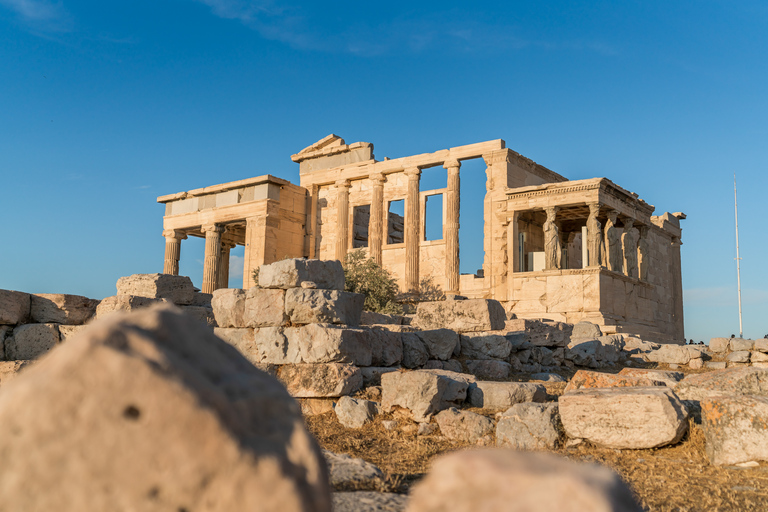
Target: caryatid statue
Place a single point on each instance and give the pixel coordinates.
(630, 239)
(613, 243)
(552, 247)
(595, 242)
(643, 250)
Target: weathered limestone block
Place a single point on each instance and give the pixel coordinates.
(61, 309)
(740, 344)
(125, 303)
(548, 377)
(372, 374)
(14, 307)
(461, 315)
(229, 307)
(264, 307)
(415, 353)
(670, 354)
(291, 273)
(719, 345)
(323, 307)
(761, 345)
(355, 412)
(369, 501)
(266, 345)
(440, 343)
(488, 369)
(314, 406)
(485, 346)
(350, 473)
(715, 365)
(422, 392)
(386, 346)
(122, 397)
(586, 329)
(202, 299)
(584, 379)
(320, 380)
(582, 352)
(5, 331)
(624, 418)
(67, 331)
(458, 383)
(326, 343)
(30, 341)
(464, 426)
(499, 395)
(696, 363)
(529, 426)
(670, 378)
(10, 369)
(736, 428)
(371, 318)
(742, 356)
(177, 289)
(505, 479)
(729, 381)
(758, 357)
(638, 346)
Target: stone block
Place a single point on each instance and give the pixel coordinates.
(229, 307)
(670, 354)
(740, 344)
(461, 315)
(582, 352)
(415, 353)
(386, 346)
(719, 345)
(440, 343)
(124, 303)
(500, 395)
(202, 299)
(320, 380)
(669, 378)
(488, 369)
(351, 473)
(548, 377)
(266, 345)
(638, 346)
(30, 341)
(529, 426)
(730, 381)
(67, 331)
(506, 480)
(758, 357)
(61, 309)
(371, 318)
(696, 363)
(421, 392)
(584, 379)
(176, 289)
(14, 307)
(742, 356)
(735, 428)
(715, 365)
(355, 412)
(372, 374)
(315, 406)
(326, 343)
(624, 418)
(586, 329)
(465, 426)
(485, 346)
(264, 307)
(140, 409)
(323, 307)
(368, 501)
(10, 369)
(291, 273)
(202, 314)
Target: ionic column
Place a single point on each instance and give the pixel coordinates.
(212, 262)
(342, 219)
(412, 231)
(452, 203)
(224, 267)
(375, 224)
(173, 240)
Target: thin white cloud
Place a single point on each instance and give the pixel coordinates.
(236, 264)
(42, 15)
(724, 296)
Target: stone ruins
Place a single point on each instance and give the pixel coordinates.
(553, 249)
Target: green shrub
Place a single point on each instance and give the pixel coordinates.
(363, 275)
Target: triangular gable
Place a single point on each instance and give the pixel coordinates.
(326, 142)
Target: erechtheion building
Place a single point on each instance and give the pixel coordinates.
(553, 248)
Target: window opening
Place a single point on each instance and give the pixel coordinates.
(396, 222)
(433, 217)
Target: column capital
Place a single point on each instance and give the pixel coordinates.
(551, 210)
(174, 233)
(216, 228)
(412, 172)
(377, 178)
(594, 207)
(452, 164)
(343, 184)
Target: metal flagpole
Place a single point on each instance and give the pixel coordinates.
(738, 259)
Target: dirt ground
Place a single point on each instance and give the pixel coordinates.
(673, 478)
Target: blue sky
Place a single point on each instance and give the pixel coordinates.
(106, 105)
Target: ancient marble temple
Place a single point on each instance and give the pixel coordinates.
(553, 248)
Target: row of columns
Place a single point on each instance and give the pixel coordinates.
(376, 228)
(216, 262)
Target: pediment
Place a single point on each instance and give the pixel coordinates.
(326, 142)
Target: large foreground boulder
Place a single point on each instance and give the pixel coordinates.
(508, 480)
(461, 315)
(624, 418)
(150, 412)
(736, 428)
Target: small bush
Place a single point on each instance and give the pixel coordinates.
(363, 275)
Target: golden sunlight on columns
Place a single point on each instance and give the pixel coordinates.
(342, 219)
(173, 240)
(375, 227)
(412, 231)
(452, 203)
(212, 261)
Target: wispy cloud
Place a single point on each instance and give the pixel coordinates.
(40, 15)
(724, 296)
(450, 30)
(236, 264)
